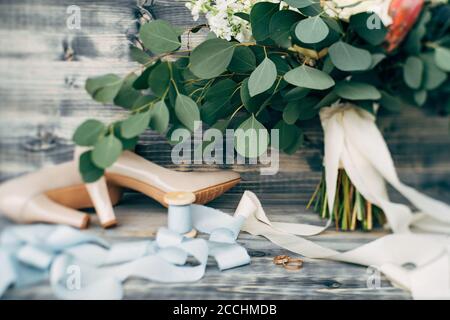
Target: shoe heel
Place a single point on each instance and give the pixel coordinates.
(98, 192)
(42, 209)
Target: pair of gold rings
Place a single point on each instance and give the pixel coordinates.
(288, 263)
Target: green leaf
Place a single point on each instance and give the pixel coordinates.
(376, 59)
(280, 27)
(251, 138)
(413, 72)
(89, 172)
(141, 83)
(349, 58)
(159, 37)
(310, 78)
(243, 60)
(357, 91)
(88, 133)
(243, 15)
(139, 55)
(127, 144)
(433, 76)
(300, 3)
(260, 16)
(296, 94)
(159, 79)
(296, 145)
(144, 101)
(300, 110)
(252, 104)
(312, 30)
(135, 124)
(160, 116)
(263, 78)
(104, 88)
(213, 110)
(288, 134)
(106, 151)
(420, 97)
(373, 34)
(442, 58)
(413, 44)
(221, 90)
(211, 58)
(187, 111)
(127, 95)
(391, 103)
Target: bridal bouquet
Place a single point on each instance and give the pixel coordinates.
(275, 65)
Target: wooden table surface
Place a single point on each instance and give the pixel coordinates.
(140, 217)
(43, 67)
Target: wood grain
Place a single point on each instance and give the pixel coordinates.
(139, 218)
(43, 67)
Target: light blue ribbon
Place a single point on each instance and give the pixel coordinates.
(82, 266)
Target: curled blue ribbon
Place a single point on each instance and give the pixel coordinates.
(82, 266)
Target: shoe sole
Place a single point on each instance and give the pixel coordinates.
(77, 197)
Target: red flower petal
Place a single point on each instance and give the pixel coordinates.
(404, 14)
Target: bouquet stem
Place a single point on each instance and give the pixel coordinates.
(351, 211)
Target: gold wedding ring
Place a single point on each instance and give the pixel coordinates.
(293, 264)
(288, 263)
(280, 260)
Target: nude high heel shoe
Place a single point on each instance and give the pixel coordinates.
(134, 172)
(52, 195)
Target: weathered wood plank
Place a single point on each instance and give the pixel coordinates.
(140, 218)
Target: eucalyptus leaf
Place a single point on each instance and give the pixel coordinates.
(187, 111)
(211, 58)
(135, 124)
(413, 72)
(160, 116)
(310, 78)
(262, 78)
(127, 95)
(221, 90)
(88, 133)
(312, 30)
(280, 27)
(252, 104)
(351, 90)
(106, 151)
(251, 138)
(300, 3)
(243, 60)
(89, 172)
(139, 55)
(288, 134)
(420, 97)
(442, 58)
(349, 58)
(433, 76)
(159, 79)
(104, 88)
(159, 37)
(260, 16)
(369, 27)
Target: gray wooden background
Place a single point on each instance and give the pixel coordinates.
(43, 66)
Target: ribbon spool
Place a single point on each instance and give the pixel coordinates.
(180, 217)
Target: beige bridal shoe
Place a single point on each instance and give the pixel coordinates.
(53, 194)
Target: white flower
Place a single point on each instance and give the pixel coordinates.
(344, 9)
(221, 18)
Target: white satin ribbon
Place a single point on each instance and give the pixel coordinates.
(353, 142)
(81, 266)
